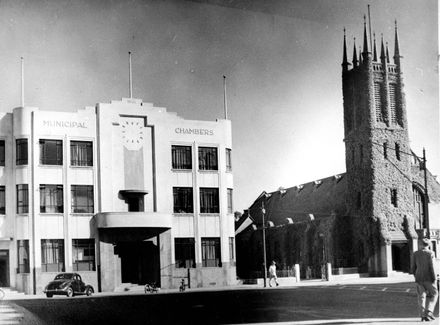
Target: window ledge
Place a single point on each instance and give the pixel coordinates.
(81, 167)
(82, 214)
(213, 214)
(175, 170)
(55, 214)
(204, 171)
(50, 166)
(183, 214)
(22, 214)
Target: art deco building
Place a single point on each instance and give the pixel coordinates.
(122, 193)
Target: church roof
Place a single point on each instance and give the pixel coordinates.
(318, 199)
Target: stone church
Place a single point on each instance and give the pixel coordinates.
(367, 220)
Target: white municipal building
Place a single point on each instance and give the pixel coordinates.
(122, 193)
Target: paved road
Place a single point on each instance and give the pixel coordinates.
(339, 304)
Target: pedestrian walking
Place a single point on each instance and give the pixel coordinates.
(273, 274)
(422, 267)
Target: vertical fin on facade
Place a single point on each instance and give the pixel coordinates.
(355, 60)
(344, 56)
(396, 46)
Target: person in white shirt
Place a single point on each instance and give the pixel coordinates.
(273, 273)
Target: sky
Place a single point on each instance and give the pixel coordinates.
(282, 60)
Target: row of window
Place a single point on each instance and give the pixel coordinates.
(209, 200)
(211, 254)
(52, 255)
(81, 154)
(51, 152)
(181, 157)
(83, 254)
(385, 152)
(51, 199)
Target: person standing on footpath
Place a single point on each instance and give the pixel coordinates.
(273, 273)
(422, 267)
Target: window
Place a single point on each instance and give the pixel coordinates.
(2, 152)
(183, 200)
(209, 200)
(419, 204)
(211, 252)
(83, 254)
(23, 256)
(229, 194)
(51, 152)
(51, 198)
(21, 152)
(394, 197)
(378, 101)
(2, 200)
(52, 255)
(359, 201)
(228, 160)
(392, 92)
(184, 252)
(385, 150)
(208, 158)
(231, 248)
(181, 157)
(82, 198)
(22, 198)
(81, 153)
(397, 151)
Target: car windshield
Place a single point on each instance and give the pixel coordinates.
(66, 276)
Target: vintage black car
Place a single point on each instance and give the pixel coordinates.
(68, 284)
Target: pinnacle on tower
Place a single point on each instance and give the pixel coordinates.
(374, 51)
(360, 55)
(382, 50)
(355, 60)
(388, 55)
(396, 46)
(365, 36)
(345, 63)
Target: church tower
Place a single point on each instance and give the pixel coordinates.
(379, 193)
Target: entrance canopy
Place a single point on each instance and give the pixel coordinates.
(117, 226)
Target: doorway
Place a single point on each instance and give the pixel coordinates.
(4, 268)
(139, 262)
(400, 256)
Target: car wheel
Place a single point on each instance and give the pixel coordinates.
(69, 292)
(49, 295)
(89, 291)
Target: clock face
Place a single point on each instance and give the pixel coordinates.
(133, 134)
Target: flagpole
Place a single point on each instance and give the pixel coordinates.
(130, 76)
(225, 102)
(22, 82)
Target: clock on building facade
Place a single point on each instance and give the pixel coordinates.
(133, 133)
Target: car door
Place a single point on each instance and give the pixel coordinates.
(76, 283)
(81, 284)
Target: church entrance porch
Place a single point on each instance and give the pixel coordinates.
(400, 254)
